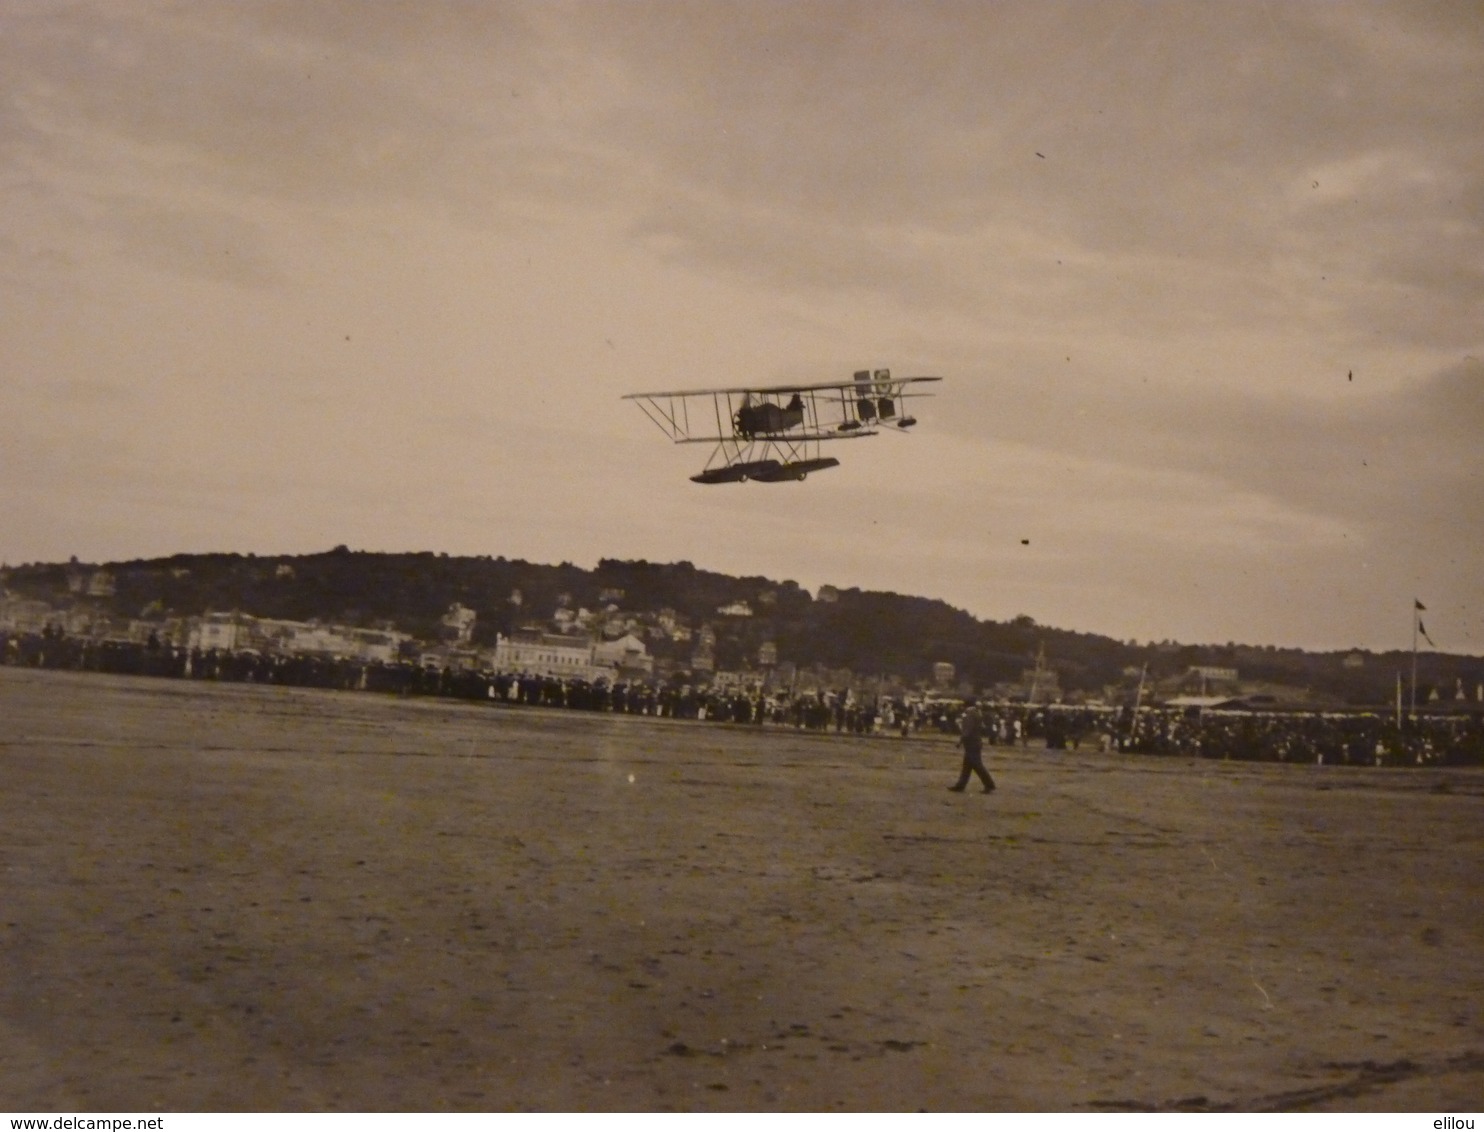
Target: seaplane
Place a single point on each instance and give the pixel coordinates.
(774, 434)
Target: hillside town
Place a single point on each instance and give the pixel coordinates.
(569, 642)
(726, 647)
(663, 663)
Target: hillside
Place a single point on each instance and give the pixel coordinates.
(870, 633)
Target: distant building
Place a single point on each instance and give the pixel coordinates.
(735, 609)
(1208, 679)
(1040, 685)
(616, 627)
(459, 620)
(101, 584)
(546, 654)
(317, 640)
(172, 632)
(727, 681)
(25, 615)
(377, 645)
(226, 632)
(943, 674)
(283, 570)
(1354, 660)
(381, 645)
(239, 632)
(451, 657)
(1212, 672)
(767, 654)
(627, 654)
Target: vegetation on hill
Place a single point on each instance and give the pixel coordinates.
(870, 633)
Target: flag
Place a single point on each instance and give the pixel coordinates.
(1419, 605)
(1421, 628)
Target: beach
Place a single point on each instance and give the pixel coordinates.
(236, 897)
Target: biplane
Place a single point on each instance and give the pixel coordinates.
(773, 434)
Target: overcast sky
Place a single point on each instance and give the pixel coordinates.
(1205, 283)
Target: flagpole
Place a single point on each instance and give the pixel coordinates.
(1138, 700)
(1413, 709)
(1398, 701)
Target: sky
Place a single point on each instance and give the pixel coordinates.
(1205, 283)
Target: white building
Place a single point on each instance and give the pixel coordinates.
(548, 654)
(1211, 672)
(460, 620)
(233, 632)
(628, 652)
(224, 631)
(25, 615)
(725, 680)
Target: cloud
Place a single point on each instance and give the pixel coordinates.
(924, 148)
(207, 243)
(1144, 243)
(1366, 457)
(1154, 147)
(325, 103)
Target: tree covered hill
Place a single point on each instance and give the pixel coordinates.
(871, 633)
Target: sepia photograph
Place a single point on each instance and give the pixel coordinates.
(741, 556)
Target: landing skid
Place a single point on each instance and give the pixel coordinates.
(766, 471)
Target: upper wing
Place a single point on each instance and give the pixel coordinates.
(831, 410)
(871, 384)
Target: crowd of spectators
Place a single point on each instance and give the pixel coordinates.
(153, 658)
(1336, 738)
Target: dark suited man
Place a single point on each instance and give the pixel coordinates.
(971, 739)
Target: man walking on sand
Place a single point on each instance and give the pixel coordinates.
(971, 739)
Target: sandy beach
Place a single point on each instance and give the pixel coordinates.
(229, 897)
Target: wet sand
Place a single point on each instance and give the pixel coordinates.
(225, 897)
